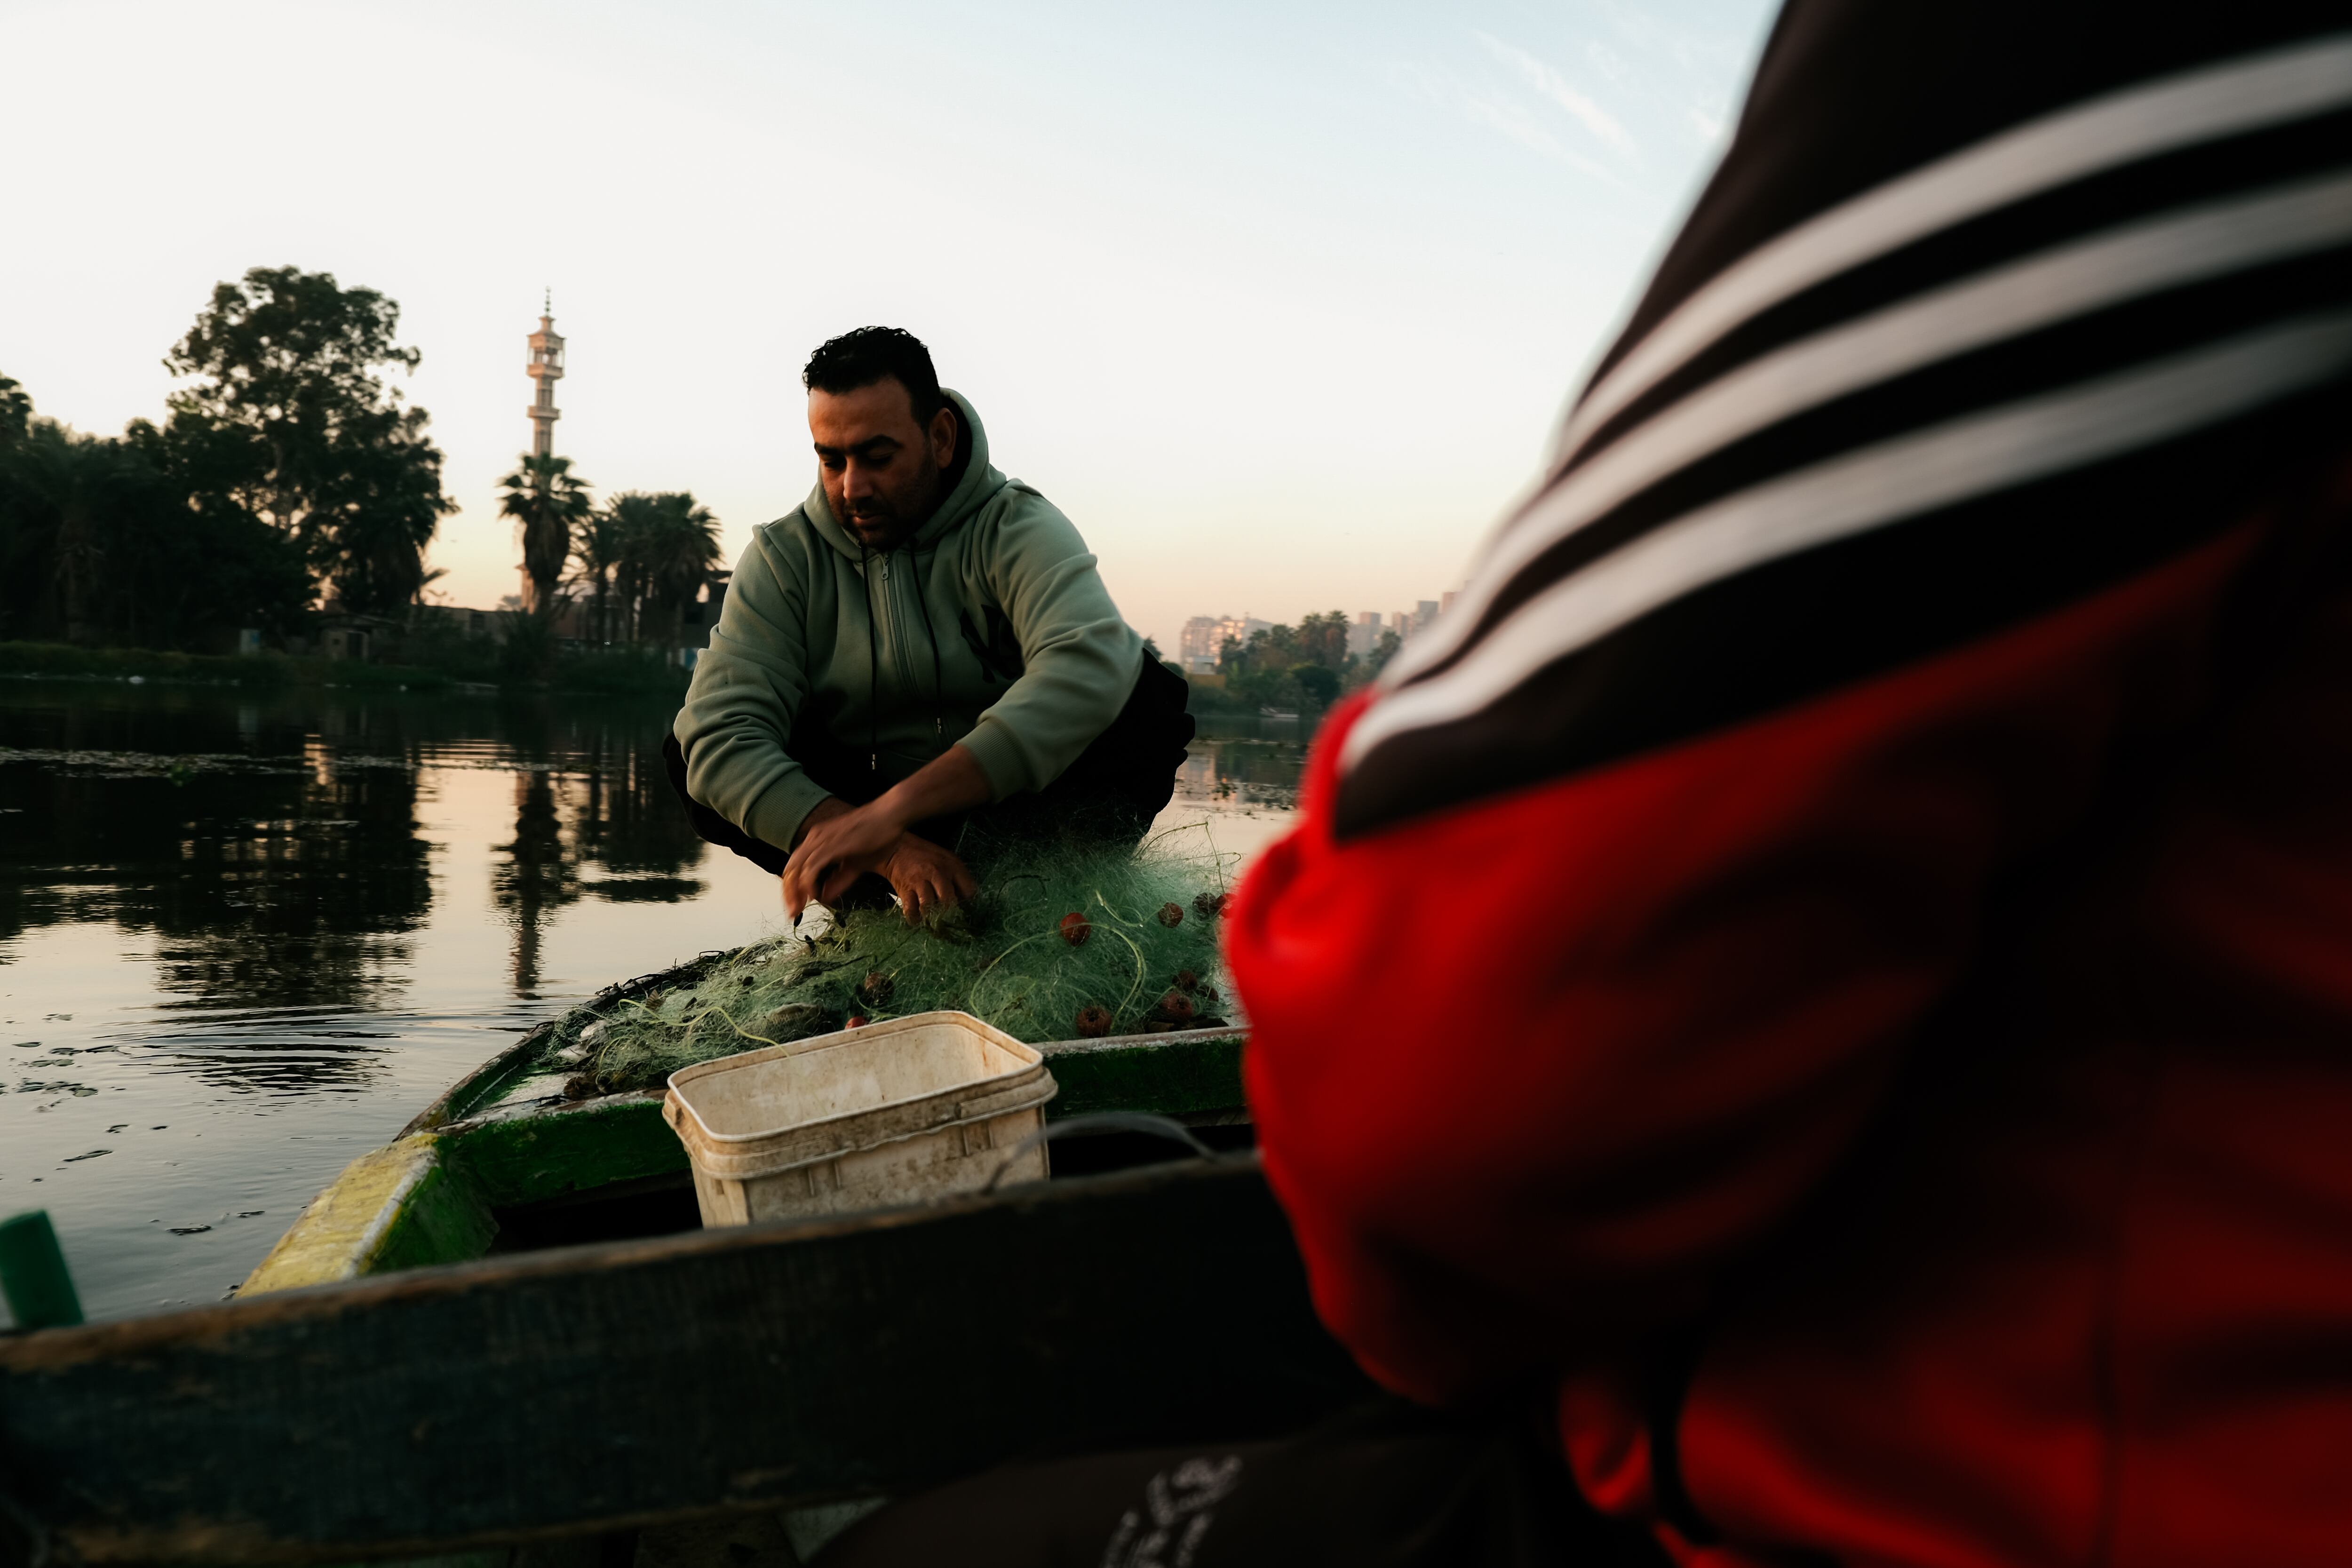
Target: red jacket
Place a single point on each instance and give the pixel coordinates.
(1837, 957)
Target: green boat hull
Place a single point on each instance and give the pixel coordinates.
(503, 1158)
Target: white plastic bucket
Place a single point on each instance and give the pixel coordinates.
(889, 1113)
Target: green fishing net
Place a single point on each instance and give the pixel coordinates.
(1058, 943)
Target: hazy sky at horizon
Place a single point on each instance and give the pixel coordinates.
(1276, 302)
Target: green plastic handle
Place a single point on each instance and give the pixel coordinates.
(32, 1274)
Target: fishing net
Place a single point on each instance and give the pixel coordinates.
(1057, 944)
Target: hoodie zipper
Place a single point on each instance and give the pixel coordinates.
(876, 612)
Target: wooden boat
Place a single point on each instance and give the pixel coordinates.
(428, 1365)
(504, 1160)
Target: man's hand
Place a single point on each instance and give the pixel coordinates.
(834, 851)
(927, 877)
(840, 843)
(845, 845)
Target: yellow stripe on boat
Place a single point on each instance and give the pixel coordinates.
(396, 1209)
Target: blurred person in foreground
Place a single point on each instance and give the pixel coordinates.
(1881, 1088)
(919, 659)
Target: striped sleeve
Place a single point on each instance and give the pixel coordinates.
(1989, 308)
(1930, 482)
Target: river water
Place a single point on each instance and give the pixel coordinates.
(244, 938)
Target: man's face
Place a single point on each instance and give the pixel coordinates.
(881, 469)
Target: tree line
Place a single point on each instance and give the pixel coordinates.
(285, 464)
(1302, 666)
(635, 564)
(290, 466)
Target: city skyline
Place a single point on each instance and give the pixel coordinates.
(1199, 644)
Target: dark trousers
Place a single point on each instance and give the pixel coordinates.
(1387, 1485)
(1108, 797)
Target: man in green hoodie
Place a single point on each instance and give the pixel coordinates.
(920, 657)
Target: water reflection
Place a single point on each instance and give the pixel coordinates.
(244, 938)
(629, 824)
(269, 875)
(1238, 762)
(273, 849)
(537, 878)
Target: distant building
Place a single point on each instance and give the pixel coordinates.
(1204, 636)
(1445, 603)
(1204, 640)
(545, 368)
(1406, 623)
(1197, 644)
(456, 618)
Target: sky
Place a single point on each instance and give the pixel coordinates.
(1275, 302)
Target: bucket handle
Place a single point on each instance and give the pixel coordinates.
(1099, 1122)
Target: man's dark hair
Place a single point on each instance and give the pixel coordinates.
(863, 357)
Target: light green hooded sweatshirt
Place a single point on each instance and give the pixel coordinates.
(992, 628)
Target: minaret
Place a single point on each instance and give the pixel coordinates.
(546, 370)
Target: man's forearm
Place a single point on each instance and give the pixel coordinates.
(952, 782)
(831, 806)
(838, 841)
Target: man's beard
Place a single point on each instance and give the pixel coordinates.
(879, 524)
(874, 522)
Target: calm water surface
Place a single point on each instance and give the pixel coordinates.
(244, 938)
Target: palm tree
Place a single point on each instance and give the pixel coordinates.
(596, 550)
(674, 554)
(549, 500)
(611, 558)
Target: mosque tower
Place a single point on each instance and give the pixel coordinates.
(546, 369)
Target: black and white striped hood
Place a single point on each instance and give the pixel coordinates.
(1989, 306)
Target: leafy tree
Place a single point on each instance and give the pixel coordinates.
(16, 411)
(21, 540)
(1323, 641)
(377, 564)
(549, 500)
(289, 419)
(203, 563)
(102, 541)
(1283, 666)
(1320, 682)
(83, 480)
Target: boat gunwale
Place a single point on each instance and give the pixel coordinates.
(471, 1091)
(49, 1348)
(458, 1103)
